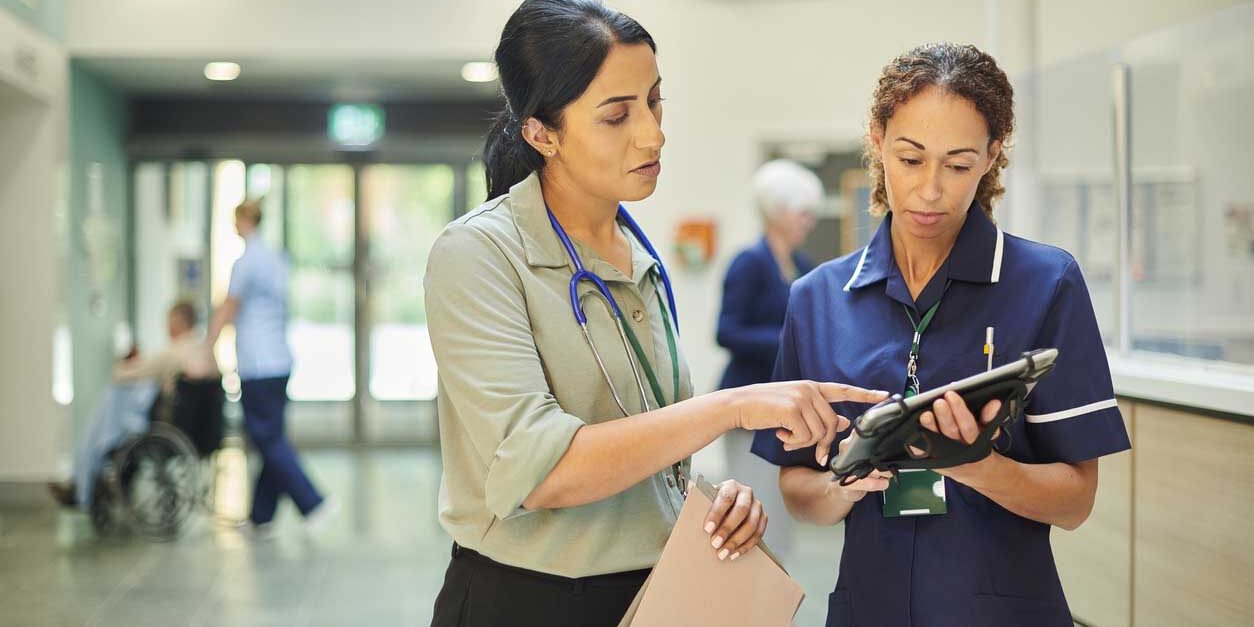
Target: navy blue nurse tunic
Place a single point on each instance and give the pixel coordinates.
(978, 564)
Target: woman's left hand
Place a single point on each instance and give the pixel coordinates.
(736, 520)
(951, 418)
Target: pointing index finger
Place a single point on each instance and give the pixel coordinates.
(837, 392)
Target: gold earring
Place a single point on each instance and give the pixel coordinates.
(551, 153)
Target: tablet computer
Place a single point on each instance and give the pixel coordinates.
(885, 433)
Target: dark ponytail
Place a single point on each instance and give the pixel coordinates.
(507, 157)
(549, 53)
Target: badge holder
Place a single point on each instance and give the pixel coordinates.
(915, 492)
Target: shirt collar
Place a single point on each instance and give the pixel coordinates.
(975, 258)
(531, 218)
(544, 249)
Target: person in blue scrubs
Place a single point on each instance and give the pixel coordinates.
(256, 303)
(940, 118)
(755, 297)
(755, 291)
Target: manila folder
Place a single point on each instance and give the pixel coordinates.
(690, 587)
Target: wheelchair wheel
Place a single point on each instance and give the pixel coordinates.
(103, 510)
(158, 479)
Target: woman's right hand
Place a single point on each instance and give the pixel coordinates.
(799, 411)
(877, 481)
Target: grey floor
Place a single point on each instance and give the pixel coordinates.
(380, 562)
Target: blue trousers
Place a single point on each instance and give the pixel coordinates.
(264, 402)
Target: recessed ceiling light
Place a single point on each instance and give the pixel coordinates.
(479, 72)
(222, 71)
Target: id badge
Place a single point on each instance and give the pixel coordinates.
(915, 492)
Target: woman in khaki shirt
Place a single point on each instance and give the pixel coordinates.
(558, 504)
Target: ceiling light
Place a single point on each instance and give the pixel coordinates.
(479, 72)
(222, 71)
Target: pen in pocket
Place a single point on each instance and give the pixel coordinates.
(988, 346)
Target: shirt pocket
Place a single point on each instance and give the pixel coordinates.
(969, 363)
(990, 610)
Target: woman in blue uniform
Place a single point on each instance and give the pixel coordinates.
(939, 266)
(755, 291)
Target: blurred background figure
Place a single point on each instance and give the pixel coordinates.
(755, 298)
(755, 290)
(256, 303)
(127, 404)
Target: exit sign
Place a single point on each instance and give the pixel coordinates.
(355, 125)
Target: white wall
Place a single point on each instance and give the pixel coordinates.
(1069, 28)
(33, 134)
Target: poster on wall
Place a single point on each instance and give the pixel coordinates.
(1166, 232)
(1082, 218)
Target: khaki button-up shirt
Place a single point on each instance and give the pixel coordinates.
(517, 380)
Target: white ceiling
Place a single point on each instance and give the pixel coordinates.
(327, 79)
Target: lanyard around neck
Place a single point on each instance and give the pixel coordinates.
(644, 361)
(912, 365)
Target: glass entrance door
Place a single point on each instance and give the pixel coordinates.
(357, 239)
(404, 208)
(320, 233)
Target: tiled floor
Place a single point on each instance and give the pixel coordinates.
(380, 562)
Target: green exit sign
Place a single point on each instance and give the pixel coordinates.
(355, 125)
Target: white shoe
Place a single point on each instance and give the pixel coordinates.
(320, 518)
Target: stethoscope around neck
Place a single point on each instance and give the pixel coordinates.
(582, 274)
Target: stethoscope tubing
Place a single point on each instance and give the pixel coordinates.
(582, 274)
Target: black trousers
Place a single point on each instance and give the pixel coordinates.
(479, 592)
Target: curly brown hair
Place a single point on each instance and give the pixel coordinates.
(961, 70)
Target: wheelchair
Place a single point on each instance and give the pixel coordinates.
(153, 482)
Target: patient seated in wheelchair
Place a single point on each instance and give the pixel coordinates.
(132, 397)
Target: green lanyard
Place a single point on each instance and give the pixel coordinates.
(644, 361)
(912, 366)
(677, 468)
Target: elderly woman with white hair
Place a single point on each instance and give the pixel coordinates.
(755, 292)
(755, 298)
